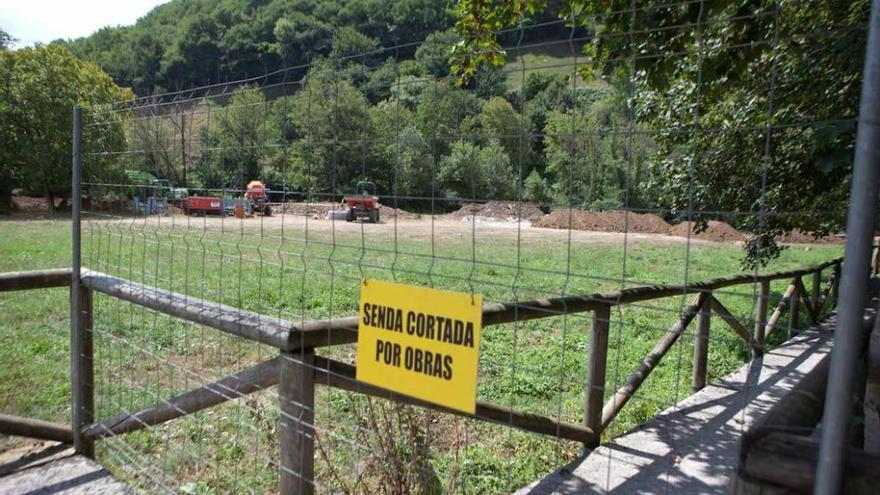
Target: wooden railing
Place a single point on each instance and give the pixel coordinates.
(297, 369)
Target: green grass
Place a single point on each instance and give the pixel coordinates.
(555, 59)
(536, 366)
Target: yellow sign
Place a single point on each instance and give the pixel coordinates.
(421, 342)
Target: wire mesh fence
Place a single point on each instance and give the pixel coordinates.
(534, 180)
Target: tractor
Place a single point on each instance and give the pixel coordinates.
(363, 203)
(257, 198)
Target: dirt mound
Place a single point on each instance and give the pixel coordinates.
(319, 210)
(604, 221)
(498, 210)
(715, 231)
(801, 237)
(388, 212)
(313, 210)
(33, 204)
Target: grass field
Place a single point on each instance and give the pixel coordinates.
(302, 272)
(555, 59)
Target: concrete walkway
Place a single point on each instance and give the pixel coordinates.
(692, 447)
(53, 469)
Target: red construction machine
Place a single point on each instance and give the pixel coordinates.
(363, 203)
(257, 198)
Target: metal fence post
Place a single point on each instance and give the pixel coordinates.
(296, 432)
(81, 357)
(596, 379)
(701, 345)
(860, 226)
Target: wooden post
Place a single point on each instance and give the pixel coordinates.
(761, 311)
(701, 344)
(296, 432)
(816, 290)
(82, 373)
(835, 287)
(595, 393)
(82, 399)
(794, 313)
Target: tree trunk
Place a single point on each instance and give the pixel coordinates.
(5, 192)
(50, 200)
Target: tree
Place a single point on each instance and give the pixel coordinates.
(536, 189)
(35, 137)
(300, 36)
(233, 148)
(183, 43)
(793, 153)
(6, 40)
(434, 53)
(473, 171)
(592, 158)
(332, 118)
(500, 121)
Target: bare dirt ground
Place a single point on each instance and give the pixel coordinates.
(423, 228)
(498, 219)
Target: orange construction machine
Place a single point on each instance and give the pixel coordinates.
(257, 198)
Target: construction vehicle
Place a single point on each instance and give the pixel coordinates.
(203, 205)
(257, 198)
(363, 203)
(147, 185)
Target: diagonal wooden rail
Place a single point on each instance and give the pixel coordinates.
(297, 370)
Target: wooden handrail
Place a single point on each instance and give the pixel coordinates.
(342, 376)
(35, 428)
(781, 308)
(734, 324)
(38, 279)
(634, 381)
(250, 380)
(316, 333)
(289, 336)
(326, 372)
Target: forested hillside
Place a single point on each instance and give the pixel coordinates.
(187, 43)
(364, 101)
(756, 111)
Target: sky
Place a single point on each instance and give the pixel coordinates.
(33, 21)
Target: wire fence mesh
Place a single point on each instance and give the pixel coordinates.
(532, 181)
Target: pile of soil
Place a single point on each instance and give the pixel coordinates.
(604, 221)
(30, 204)
(388, 212)
(498, 210)
(716, 231)
(319, 211)
(801, 237)
(313, 210)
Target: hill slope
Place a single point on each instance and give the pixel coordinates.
(187, 43)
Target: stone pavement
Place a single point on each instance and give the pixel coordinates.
(53, 469)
